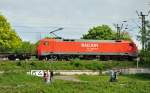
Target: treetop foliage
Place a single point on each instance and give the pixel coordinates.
(104, 32)
(8, 37)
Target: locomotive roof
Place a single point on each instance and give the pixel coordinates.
(88, 40)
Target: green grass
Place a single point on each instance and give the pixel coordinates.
(15, 80)
(125, 84)
(65, 65)
(19, 82)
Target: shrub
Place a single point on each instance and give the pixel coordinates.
(94, 66)
(33, 64)
(145, 57)
(77, 64)
(18, 64)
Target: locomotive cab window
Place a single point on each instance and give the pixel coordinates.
(46, 43)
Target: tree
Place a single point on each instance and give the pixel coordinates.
(125, 36)
(104, 32)
(8, 37)
(145, 53)
(25, 47)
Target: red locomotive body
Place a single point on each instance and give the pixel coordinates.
(69, 48)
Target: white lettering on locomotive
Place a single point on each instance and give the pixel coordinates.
(90, 45)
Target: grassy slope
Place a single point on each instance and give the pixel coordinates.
(73, 65)
(22, 83)
(18, 82)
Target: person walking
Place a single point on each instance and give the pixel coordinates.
(47, 76)
(51, 75)
(111, 76)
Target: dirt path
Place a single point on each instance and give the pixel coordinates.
(68, 78)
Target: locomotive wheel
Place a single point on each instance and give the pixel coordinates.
(41, 58)
(71, 57)
(53, 57)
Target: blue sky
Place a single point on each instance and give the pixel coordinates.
(33, 19)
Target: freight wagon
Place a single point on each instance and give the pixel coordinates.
(14, 56)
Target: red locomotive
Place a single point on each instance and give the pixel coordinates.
(86, 49)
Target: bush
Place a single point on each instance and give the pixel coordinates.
(33, 64)
(94, 66)
(19, 64)
(145, 57)
(77, 64)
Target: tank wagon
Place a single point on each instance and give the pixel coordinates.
(86, 49)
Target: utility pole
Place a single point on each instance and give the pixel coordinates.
(118, 32)
(143, 28)
(119, 28)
